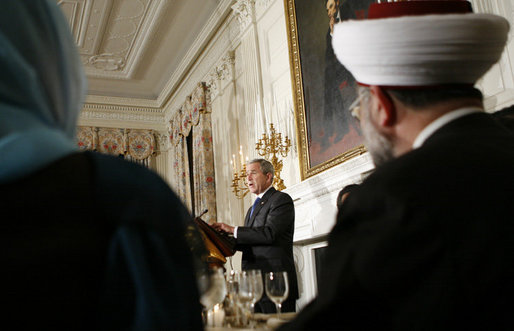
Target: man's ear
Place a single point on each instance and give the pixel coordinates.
(269, 175)
(387, 109)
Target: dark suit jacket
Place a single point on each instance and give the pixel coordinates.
(266, 240)
(427, 241)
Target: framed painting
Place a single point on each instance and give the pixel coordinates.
(323, 89)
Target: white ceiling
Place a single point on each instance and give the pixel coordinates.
(137, 48)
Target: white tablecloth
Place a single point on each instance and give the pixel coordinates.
(264, 322)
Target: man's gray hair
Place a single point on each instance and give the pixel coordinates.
(424, 98)
(265, 165)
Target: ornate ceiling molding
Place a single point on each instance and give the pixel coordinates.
(244, 11)
(111, 34)
(121, 116)
(221, 74)
(131, 102)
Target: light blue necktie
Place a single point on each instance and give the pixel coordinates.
(256, 202)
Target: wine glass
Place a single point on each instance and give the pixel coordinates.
(246, 294)
(212, 287)
(231, 308)
(277, 288)
(232, 285)
(258, 287)
(257, 290)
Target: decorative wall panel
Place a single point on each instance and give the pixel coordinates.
(136, 144)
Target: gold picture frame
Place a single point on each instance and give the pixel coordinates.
(310, 162)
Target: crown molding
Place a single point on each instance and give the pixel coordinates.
(211, 49)
(97, 103)
(122, 116)
(119, 54)
(120, 101)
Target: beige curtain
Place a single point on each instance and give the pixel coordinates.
(203, 165)
(181, 163)
(194, 118)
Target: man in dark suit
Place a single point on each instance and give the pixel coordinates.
(505, 116)
(343, 194)
(426, 242)
(266, 239)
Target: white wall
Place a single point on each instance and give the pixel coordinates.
(498, 84)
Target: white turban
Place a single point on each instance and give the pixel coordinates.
(420, 50)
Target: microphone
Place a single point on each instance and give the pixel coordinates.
(204, 212)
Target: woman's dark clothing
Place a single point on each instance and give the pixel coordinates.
(94, 242)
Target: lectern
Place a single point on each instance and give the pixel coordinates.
(219, 245)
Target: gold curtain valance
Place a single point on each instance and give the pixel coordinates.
(185, 118)
(198, 103)
(188, 115)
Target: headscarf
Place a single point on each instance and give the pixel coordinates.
(420, 43)
(42, 87)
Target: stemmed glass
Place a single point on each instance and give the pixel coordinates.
(213, 288)
(257, 290)
(258, 287)
(246, 293)
(277, 288)
(232, 286)
(232, 297)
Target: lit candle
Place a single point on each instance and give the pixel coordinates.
(241, 155)
(210, 317)
(289, 116)
(273, 108)
(234, 161)
(219, 315)
(264, 110)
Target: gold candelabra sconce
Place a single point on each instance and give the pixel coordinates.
(270, 146)
(239, 184)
